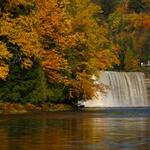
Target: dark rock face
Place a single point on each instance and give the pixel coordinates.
(147, 82)
(147, 75)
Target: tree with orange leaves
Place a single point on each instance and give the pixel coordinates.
(65, 43)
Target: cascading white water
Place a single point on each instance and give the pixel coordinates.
(126, 89)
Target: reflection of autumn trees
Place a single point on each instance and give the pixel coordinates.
(50, 134)
(4, 140)
(72, 131)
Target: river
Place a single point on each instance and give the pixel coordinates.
(108, 129)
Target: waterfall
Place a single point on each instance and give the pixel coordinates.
(125, 89)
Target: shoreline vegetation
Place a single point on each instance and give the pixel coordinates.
(16, 108)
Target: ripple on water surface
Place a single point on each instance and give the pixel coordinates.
(98, 130)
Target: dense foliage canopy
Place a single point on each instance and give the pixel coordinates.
(49, 49)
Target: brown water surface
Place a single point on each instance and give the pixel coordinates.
(75, 131)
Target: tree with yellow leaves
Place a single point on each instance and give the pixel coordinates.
(32, 35)
(65, 43)
(5, 55)
(37, 32)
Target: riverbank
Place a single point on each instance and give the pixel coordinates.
(16, 108)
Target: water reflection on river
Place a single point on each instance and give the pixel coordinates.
(74, 131)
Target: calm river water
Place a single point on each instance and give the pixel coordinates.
(111, 129)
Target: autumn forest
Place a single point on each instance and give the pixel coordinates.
(49, 49)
